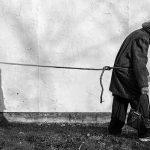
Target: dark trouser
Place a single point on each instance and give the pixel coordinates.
(119, 112)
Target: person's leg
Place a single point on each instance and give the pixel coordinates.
(144, 106)
(143, 102)
(118, 116)
(144, 110)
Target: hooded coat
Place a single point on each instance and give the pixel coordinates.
(132, 55)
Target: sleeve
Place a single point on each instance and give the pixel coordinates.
(140, 52)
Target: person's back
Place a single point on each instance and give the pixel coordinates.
(124, 82)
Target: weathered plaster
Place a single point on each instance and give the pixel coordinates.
(79, 33)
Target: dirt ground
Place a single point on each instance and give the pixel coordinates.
(53, 136)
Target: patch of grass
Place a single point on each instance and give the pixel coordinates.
(67, 137)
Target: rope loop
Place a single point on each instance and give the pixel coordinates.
(101, 84)
(101, 76)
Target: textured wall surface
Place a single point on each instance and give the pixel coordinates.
(78, 33)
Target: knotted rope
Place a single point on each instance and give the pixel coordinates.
(77, 68)
(101, 76)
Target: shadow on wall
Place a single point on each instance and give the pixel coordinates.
(24, 31)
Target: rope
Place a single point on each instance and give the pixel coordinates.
(101, 84)
(66, 67)
(49, 66)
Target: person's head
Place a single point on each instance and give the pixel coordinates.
(146, 26)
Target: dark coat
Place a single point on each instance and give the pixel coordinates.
(127, 83)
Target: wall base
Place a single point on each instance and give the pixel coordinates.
(58, 117)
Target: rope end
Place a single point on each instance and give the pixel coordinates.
(101, 102)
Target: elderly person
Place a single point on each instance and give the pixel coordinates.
(130, 85)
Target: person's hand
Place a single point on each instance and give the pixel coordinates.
(145, 90)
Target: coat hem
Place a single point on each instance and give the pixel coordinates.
(124, 96)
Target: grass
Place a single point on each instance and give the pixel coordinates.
(67, 137)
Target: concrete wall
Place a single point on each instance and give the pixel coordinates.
(78, 33)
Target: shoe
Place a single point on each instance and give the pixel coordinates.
(145, 139)
(115, 127)
(114, 132)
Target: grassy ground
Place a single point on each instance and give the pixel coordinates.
(67, 137)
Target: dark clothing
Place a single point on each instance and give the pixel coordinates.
(119, 111)
(127, 83)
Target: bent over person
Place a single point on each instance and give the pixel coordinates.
(129, 84)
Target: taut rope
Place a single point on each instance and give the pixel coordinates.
(64, 67)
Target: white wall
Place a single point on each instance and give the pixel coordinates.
(78, 33)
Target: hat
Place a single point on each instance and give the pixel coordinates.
(146, 26)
